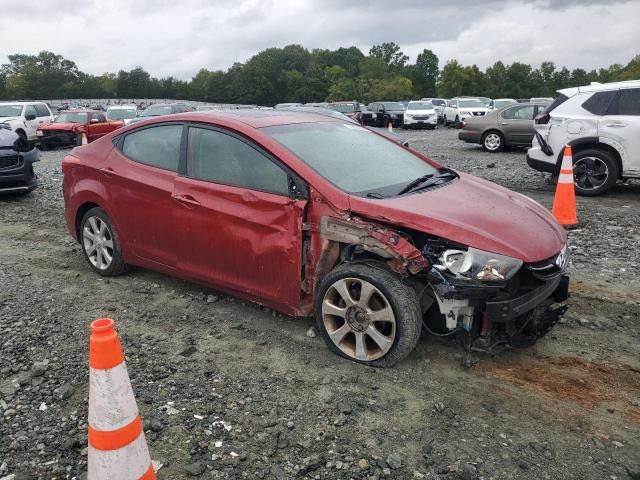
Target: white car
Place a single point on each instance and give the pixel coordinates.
(420, 114)
(24, 118)
(541, 100)
(126, 113)
(460, 108)
(498, 103)
(439, 104)
(602, 124)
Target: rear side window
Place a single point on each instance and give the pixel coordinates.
(216, 157)
(155, 146)
(599, 102)
(627, 103)
(42, 110)
(519, 113)
(30, 110)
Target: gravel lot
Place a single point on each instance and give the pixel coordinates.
(231, 390)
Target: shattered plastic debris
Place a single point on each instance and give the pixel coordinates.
(42, 407)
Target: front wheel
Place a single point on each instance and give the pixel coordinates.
(595, 172)
(100, 244)
(457, 123)
(368, 314)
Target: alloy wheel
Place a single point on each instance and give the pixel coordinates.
(590, 173)
(97, 240)
(492, 142)
(359, 319)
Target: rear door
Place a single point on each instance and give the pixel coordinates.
(140, 173)
(621, 126)
(517, 124)
(31, 125)
(239, 217)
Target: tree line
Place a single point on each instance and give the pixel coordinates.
(296, 74)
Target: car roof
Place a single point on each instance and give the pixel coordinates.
(261, 118)
(599, 87)
(20, 103)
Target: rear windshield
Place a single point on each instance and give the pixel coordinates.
(344, 154)
(438, 103)
(343, 107)
(556, 103)
(393, 105)
(157, 111)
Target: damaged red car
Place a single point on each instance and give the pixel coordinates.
(287, 209)
(68, 128)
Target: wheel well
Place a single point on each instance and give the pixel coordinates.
(599, 146)
(491, 130)
(20, 130)
(84, 208)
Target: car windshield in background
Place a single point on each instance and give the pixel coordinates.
(420, 106)
(343, 107)
(156, 111)
(345, 153)
(470, 103)
(502, 103)
(10, 110)
(72, 117)
(393, 106)
(121, 114)
(438, 103)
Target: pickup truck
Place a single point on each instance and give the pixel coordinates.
(24, 118)
(68, 127)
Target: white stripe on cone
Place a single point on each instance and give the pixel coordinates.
(127, 463)
(112, 404)
(565, 178)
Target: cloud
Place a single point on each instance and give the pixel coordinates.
(170, 38)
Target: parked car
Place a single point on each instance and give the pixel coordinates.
(511, 126)
(159, 109)
(350, 109)
(317, 104)
(498, 103)
(17, 157)
(68, 128)
(368, 117)
(420, 114)
(460, 108)
(485, 100)
(602, 124)
(439, 104)
(546, 100)
(387, 112)
(287, 105)
(126, 113)
(315, 216)
(24, 118)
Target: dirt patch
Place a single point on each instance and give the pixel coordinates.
(569, 379)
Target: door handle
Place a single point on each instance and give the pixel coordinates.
(186, 201)
(107, 172)
(504, 123)
(616, 124)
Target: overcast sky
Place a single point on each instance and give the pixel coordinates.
(178, 37)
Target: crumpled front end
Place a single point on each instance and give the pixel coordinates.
(16, 164)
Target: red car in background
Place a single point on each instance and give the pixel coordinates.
(286, 209)
(68, 127)
(350, 109)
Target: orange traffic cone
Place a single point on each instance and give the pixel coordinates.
(564, 202)
(117, 446)
(85, 140)
(390, 126)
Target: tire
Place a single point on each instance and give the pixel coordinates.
(398, 329)
(444, 121)
(22, 135)
(107, 240)
(492, 141)
(595, 172)
(456, 122)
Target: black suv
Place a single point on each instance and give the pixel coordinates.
(16, 163)
(387, 112)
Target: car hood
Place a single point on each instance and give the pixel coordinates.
(474, 109)
(473, 212)
(7, 138)
(60, 126)
(420, 112)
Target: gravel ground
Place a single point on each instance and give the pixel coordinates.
(231, 390)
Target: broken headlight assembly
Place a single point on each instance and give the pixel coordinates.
(473, 264)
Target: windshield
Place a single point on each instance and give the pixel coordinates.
(502, 103)
(121, 114)
(157, 111)
(437, 102)
(470, 103)
(343, 107)
(353, 158)
(420, 106)
(393, 106)
(10, 110)
(72, 117)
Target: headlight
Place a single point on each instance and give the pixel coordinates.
(475, 264)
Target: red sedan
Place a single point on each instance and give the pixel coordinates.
(288, 210)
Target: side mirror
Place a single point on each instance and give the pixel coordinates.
(29, 116)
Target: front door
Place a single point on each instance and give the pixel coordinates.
(240, 226)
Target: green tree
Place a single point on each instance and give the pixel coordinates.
(424, 74)
(393, 57)
(38, 76)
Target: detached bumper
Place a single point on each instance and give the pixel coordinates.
(540, 165)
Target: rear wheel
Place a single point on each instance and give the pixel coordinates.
(100, 244)
(492, 141)
(595, 172)
(368, 314)
(457, 123)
